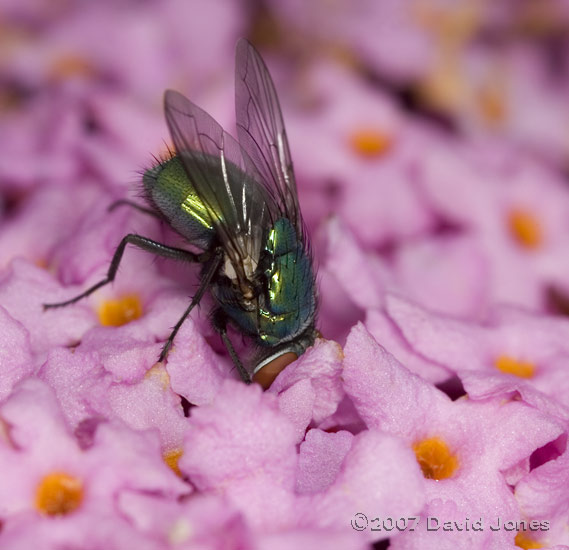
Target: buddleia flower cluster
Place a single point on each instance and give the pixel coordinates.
(430, 148)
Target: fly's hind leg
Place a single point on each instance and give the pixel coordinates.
(145, 244)
(219, 321)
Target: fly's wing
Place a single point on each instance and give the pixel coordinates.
(262, 133)
(224, 180)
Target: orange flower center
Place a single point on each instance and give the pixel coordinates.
(369, 143)
(435, 458)
(71, 65)
(159, 373)
(523, 541)
(509, 365)
(115, 313)
(492, 105)
(59, 494)
(171, 458)
(525, 228)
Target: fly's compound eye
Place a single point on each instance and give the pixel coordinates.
(268, 369)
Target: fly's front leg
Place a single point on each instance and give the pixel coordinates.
(140, 242)
(219, 321)
(204, 284)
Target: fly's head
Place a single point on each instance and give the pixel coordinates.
(270, 363)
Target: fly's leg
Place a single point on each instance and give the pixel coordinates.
(145, 244)
(219, 321)
(204, 283)
(126, 202)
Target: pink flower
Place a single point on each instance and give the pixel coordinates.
(201, 521)
(320, 365)
(427, 240)
(363, 164)
(386, 331)
(349, 280)
(372, 31)
(542, 499)
(512, 343)
(378, 476)
(448, 273)
(252, 461)
(512, 95)
(518, 216)
(251, 453)
(41, 133)
(24, 235)
(118, 381)
(462, 446)
(195, 371)
(23, 289)
(15, 354)
(54, 482)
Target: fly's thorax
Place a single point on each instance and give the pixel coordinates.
(171, 192)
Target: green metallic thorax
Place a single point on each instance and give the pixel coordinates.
(169, 189)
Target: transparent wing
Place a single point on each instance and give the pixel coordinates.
(261, 130)
(223, 178)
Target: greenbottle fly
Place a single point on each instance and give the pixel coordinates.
(237, 202)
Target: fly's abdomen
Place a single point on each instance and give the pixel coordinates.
(168, 188)
(290, 301)
(286, 305)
